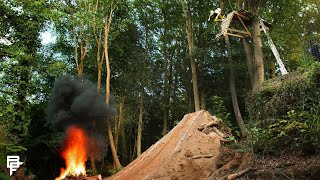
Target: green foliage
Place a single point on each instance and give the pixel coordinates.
(114, 171)
(90, 172)
(220, 110)
(4, 177)
(288, 133)
(8, 149)
(12, 148)
(286, 114)
(139, 31)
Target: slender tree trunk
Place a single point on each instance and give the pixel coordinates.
(166, 86)
(170, 87)
(273, 68)
(174, 101)
(107, 67)
(190, 36)
(100, 59)
(124, 146)
(134, 150)
(112, 146)
(75, 44)
(139, 136)
(233, 90)
(99, 77)
(250, 60)
(98, 38)
(143, 79)
(165, 119)
(106, 35)
(257, 51)
(99, 65)
(80, 37)
(203, 96)
(119, 122)
(189, 96)
(201, 68)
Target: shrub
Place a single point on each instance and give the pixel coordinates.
(285, 112)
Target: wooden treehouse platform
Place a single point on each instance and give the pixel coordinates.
(236, 24)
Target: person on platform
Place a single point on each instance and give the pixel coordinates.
(216, 15)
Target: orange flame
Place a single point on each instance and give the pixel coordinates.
(74, 152)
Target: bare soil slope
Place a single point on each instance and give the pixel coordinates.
(184, 153)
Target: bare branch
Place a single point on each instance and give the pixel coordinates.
(75, 44)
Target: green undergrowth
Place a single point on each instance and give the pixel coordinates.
(285, 113)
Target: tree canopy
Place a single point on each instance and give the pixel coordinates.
(162, 58)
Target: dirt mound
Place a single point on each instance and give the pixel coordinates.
(189, 151)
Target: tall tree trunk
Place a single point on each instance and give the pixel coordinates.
(99, 61)
(109, 130)
(166, 86)
(98, 38)
(189, 96)
(190, 36)
(143, 79)
(75, 45)
(99, 77)
(250, 60)
(273, 68)
(174, 101)
(170, 85)
(257, 51)
(124, 146)
(203, 95)
(80, 37)
(139, 135)
(107, 65)
(119, 122)
(201, 68)
(112, 146)
(134, 150)
(233, 90)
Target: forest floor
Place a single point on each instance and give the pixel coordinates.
(289, 166)
(193, 150)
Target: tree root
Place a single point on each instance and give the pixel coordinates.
(217, 131)
(206, 125)
(240, 173)
(213, 126)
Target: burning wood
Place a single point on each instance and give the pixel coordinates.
(77, 107)
(74, 153)
(71, 177)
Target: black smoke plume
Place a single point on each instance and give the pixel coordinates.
(76, 102)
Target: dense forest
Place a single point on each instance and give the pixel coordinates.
(147, 64)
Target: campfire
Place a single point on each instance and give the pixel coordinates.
(77, 107)
(75, 155)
